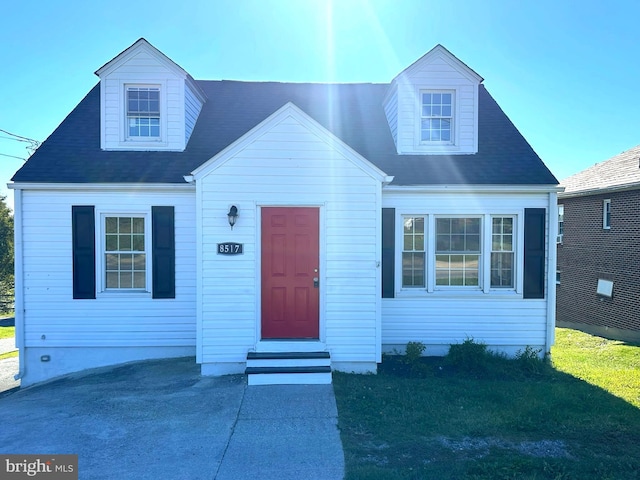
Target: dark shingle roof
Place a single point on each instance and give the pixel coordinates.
(352, 112)
(619, 171)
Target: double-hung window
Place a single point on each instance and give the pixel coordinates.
(143, 112)
(413, 252)
(458, 251)
(436, 117)
(125, 256)
(502, 252)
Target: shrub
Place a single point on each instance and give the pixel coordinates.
(530, 361)
(413, 352)
(471, 356)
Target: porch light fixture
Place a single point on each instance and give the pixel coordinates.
(232, 215)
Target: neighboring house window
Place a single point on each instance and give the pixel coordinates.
(558, 275)
(458, 252)
(143, 112)
(606, 214)
(560, 223)
(436, 117)
(125, 253)
(413, 252)
(502, 252)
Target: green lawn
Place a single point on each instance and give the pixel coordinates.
(7, 332)
(577, 418)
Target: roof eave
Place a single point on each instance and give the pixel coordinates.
(600, 191)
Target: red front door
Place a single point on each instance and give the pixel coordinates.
(290, 260)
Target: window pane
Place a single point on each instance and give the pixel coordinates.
(126, 262)
(112, 242)
(139, 262)
(472, 243)
(112, 280)
(111, 225)
(138, 225)
(446, 111)
(126, 280)
(139, 280)
(111, 261)
(124, 225)
(443, 225)
(138, 243)
(124, 242)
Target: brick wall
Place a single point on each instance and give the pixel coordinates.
(589, 252)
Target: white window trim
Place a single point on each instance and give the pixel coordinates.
(425, 251)
(142, 142)
(560, 216)
(137, 138)
(485, 254)
(454, 116)
(101, 287)
(437, 147)
(606, 205)
(515, 245)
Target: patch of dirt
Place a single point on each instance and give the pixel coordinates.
(480, 447)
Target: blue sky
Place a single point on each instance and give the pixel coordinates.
(565, 72)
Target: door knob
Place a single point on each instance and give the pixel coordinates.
(316, 282)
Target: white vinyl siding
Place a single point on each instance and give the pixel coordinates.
(192, 107)
(145, 70)
(54, 319)
(438, 317)
(436, 74)
(391, 112)
(288, 165)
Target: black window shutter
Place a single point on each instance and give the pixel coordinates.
(163, 252)
(388, 252)
(83, 240)
(534, 252)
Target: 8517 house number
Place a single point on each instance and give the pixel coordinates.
(230, 248)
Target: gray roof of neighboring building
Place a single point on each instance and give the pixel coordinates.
(618, 172)
(352, 112)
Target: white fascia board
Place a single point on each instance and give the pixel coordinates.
(600, 191)
(447, 56)
(471, 188)
(138, 46)
(290, 110)
(147, 187)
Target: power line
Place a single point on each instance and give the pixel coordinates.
(26, 139)
(12, 156)
(32, 147)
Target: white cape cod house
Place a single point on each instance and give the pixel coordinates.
(282, 229)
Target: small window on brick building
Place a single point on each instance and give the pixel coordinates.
(558, 272)
(560, 223)
(606, 214)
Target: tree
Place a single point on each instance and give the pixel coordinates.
(6, 256)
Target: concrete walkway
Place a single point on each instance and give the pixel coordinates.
(161, 419)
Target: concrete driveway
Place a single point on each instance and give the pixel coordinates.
(161, 419)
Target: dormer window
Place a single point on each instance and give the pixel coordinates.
(436, 116)
(143, 113)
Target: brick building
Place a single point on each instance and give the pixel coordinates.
(598, 276)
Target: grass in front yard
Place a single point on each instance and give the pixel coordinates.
(7, 332)
(501, 421)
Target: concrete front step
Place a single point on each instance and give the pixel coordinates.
(281, 368)
(288, 359)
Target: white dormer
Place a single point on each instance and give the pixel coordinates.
(147, 102)
(432, 106)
